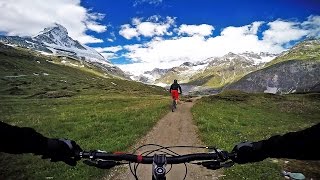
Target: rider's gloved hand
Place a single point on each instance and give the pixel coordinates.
(247, 152)
(62, 150)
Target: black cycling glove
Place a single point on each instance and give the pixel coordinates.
(247, 152)
(62, 150)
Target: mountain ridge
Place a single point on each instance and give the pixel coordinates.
(204, 72)
(296, 70)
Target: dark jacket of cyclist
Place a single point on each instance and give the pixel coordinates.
(174, 90)
(17, 140)
(175, 86)
(302, 145)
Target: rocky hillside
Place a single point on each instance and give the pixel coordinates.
(296, 70)
(282, 78)
(55, 41)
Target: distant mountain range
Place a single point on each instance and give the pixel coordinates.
(294, 71)
(55, 41)
(213, 72)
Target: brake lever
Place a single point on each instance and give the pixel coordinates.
(223, 155)
(214, 165)
(211, 164)
(101, 164)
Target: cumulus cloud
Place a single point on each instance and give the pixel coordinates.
(282, 32)
(200, 44)
(153, 26)
(128, 32)
(28, 17)
(312, 25)
(202, 30)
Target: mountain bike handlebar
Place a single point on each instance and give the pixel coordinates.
(213, 160)
(221, 156)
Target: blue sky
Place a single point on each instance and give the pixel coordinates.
(220, 14)
(139, 35)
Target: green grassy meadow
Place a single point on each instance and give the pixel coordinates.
(232, 117)
(94, 122)
(97, 111)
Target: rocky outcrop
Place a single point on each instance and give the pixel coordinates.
(293, 76)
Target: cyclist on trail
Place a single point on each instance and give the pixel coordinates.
(174, 90)
(18, 140)
(302, 145)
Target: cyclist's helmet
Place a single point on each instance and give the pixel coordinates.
(175, 81)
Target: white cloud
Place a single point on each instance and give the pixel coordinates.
(96, 27)
(312, 25)
(202, 30)
(87, 39)
(150, 28)
(128, 32)
(282, 32)
(166, 53)
(28, 17)
(112, 38)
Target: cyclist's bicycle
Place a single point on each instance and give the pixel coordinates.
(174, 105)
(162, 156)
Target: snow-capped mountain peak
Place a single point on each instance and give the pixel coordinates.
(57, 35)
(54, 40)
(56, 27)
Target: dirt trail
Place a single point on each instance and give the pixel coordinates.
(176, 128)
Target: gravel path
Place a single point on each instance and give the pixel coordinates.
(176, 128)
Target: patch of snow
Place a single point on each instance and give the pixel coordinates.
(200, 67)
(45, 53)
(271, 90)
(150, 77)
(161, 84)
(15, 76)
(74, 65)
(30, 42)
(45, 74)
(263, 59)
(113, 83)
(12, 45)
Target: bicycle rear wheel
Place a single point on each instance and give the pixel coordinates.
(174, 105)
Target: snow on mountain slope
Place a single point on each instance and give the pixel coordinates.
(189, 71)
